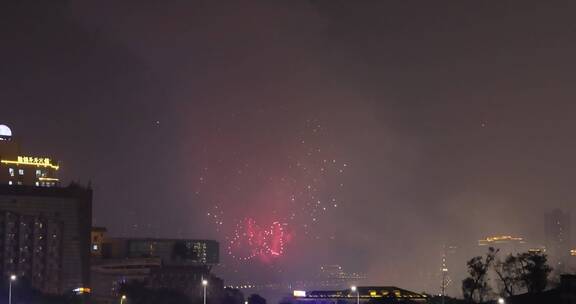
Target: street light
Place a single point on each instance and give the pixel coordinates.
(501, 301)
(122, 299)
(12, 279)
(204, 284)
(355, 289)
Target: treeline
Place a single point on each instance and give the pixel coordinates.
(526, 272)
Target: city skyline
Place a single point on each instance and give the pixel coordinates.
(300, 134)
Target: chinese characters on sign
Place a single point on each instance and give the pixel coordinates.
(34, 160)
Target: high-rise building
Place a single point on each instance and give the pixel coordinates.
(17, 168)
(558, 238)
(44, 229)
(45, 236)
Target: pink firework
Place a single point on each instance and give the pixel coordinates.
(251, 241)
(299, 186)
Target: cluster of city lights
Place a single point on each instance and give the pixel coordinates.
(500, 239)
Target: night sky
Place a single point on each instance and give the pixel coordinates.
(372, 132)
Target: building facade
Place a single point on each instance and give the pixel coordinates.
(45, 236)
(178, 264)
(178, 252)
(32, 248)
(17, 168)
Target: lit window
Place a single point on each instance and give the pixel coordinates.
(9, 182)
(37, 184)
(95, 247)
(21, 171)
(11, 171)
(19, 183)
(38, 173)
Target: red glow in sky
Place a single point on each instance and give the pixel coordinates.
(252, 241)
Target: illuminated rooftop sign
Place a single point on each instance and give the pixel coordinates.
(32, 161)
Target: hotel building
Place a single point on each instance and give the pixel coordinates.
(44, 229)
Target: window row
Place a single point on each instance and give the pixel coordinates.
(38, 184)
(39, 173)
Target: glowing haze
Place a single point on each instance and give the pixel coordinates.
(368, 134)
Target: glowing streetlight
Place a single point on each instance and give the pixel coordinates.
(355, 289)
(122, 299)
(501, 301)
(12, 279)
(204, 284)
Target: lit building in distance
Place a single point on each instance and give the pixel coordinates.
(159, 263)
(333, 277)
(507, 244)
(17, 168)
(45, 236)
(558, 238)
(362, 294)
(537, 250)
(335, 272)
(178, 252)
(504, 239)
(332, 271)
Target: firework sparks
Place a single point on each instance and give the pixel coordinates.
(251, 241)
(297, 189)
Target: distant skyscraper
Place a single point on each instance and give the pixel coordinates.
(557, 233)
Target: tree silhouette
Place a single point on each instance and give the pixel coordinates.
(535, 271)
(527, 270)
(475, 288)
(509, 271)
(256, 299)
